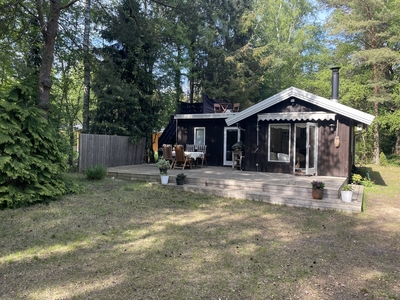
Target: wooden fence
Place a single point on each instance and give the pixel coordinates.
(109, 151)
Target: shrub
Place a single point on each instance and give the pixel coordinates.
(356, 178)
(96, 172)
(31, 162)
(382, 159)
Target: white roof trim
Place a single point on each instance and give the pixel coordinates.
(203, 116)
(296, 116)
(322, 102)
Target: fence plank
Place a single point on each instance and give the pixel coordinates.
(109, 151)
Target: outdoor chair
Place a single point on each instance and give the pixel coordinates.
(190, 147)
(236, 107)
(181, 159)
(203, 148)
(217, 108)
(167, 153)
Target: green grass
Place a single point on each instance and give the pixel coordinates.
(124, 240)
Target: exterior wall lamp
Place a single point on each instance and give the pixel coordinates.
(332, 128)
(292, 101)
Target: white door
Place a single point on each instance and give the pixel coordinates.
(311, 149)
(231, 136)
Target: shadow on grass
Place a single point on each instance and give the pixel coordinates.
(373, 175)
(136, 241)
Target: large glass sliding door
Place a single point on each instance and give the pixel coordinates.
(312, 149)
(231, 136)
(306, 151)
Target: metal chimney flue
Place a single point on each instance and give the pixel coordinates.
(335, 84)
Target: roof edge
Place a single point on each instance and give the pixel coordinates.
(327, 104)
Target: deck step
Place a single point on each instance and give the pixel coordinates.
(290, 193)
(326, 203)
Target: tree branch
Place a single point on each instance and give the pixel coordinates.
(163, 4)
(68, 4)
(40, 16)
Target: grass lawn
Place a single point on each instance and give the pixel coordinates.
(124, 240)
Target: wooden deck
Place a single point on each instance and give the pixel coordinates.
(280, 189)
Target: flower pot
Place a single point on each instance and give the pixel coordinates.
(317, 193)
(164, 179)
(346, 195)
(180, 181)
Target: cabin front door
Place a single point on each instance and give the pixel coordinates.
(306, 148)
(231, 136)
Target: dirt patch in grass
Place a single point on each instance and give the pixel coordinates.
(123, 240)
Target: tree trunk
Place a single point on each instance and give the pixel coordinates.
(191, 92)
(86, 74)
(49, 31)
(178, 87)
(376, 112)
(397, 150)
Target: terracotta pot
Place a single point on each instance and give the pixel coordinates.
(317, 193)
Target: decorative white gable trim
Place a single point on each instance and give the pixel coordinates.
(296, 116)
(322, 102)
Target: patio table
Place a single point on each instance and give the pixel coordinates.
(195, 155)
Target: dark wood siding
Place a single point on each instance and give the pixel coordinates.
(214, 137)
(249, 137)
(332, 160)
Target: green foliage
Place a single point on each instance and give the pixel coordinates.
(318, 185)
(347, 187)
(394, 160)
(163, 165)
(367, 183)
(181, 176)
(382, 159)
(356, 178)
(125, 82)
(96, 172)
(31, 163)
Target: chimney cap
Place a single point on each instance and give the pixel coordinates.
(335, 69)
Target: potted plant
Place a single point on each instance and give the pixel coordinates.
(163, 165)
(180, 179)
(317, 189)
(347, 193)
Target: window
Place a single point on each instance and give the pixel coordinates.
(199, 136)
(279, 142)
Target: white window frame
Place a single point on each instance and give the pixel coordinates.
(274, 125)
(198, 141)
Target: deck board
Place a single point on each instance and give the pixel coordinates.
(279, 189)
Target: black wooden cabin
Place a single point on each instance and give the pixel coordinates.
(291, 132)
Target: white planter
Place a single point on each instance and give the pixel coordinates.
(346, 195)
(164, 179)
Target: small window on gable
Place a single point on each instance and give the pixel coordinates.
(279, 142)
(199, 136)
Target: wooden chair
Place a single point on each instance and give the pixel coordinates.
(167, 153)
(236, 107)
(203, 148)
(217, 108)
(190, 147)
(181, 159)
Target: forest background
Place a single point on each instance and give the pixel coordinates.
(123, 66)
